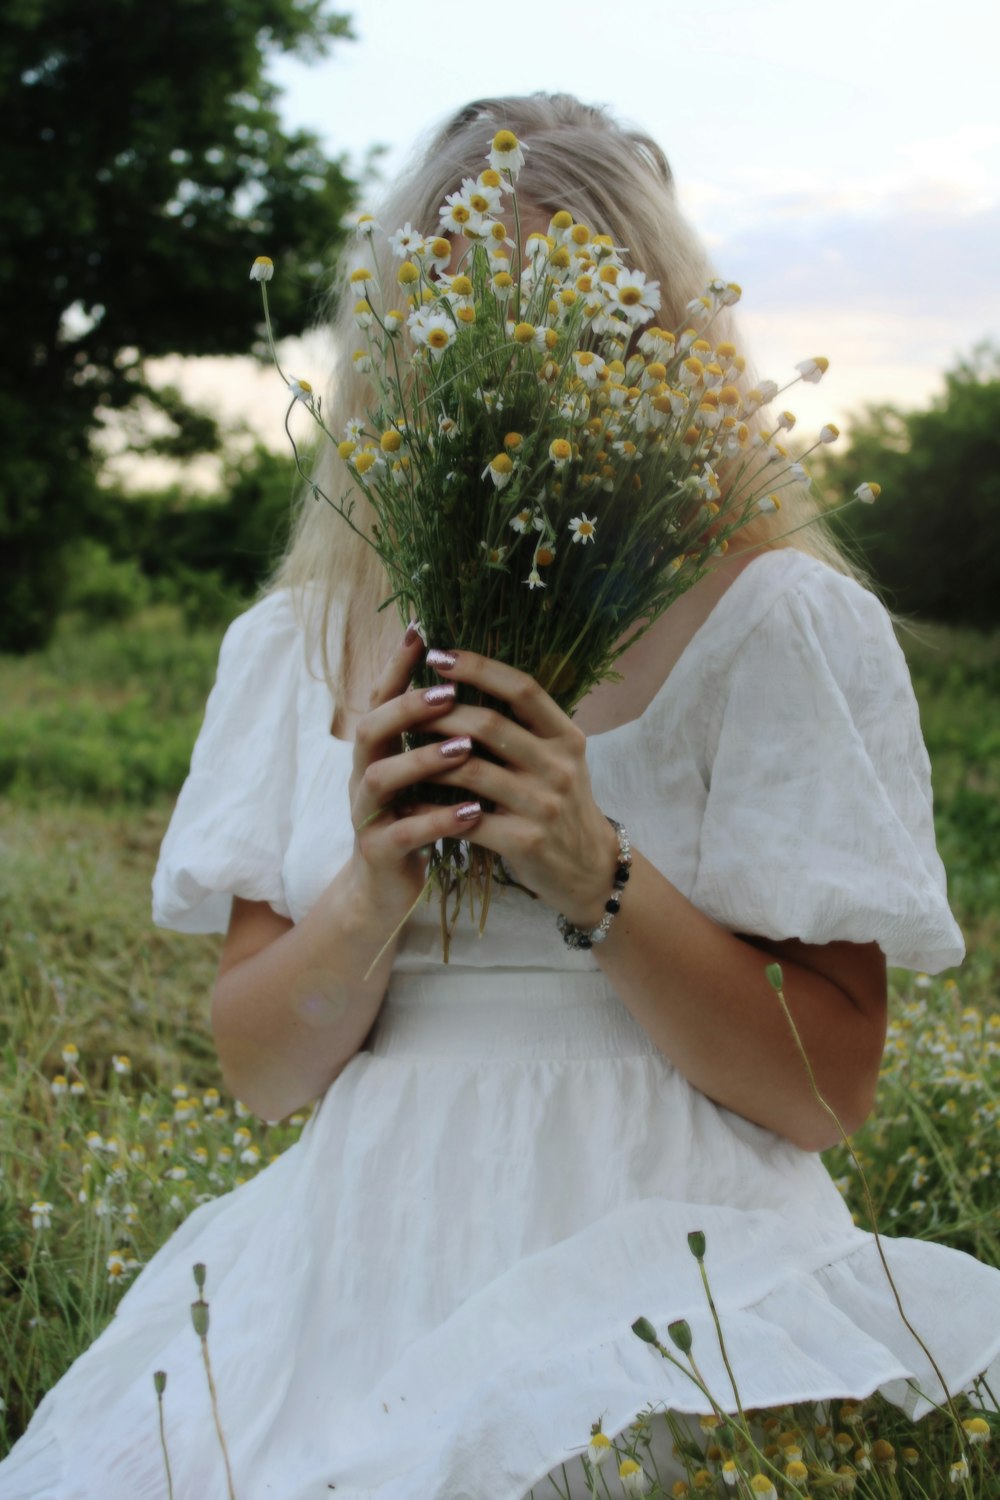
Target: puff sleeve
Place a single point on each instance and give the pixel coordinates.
(818, 823)
(231, 824)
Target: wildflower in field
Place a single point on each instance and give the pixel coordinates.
(796, 1472)
(121, 1064)
(730, 1472)
(59, 1085)
(868, 492)
(500, 469)
(637, 297)
(77, 1088)
(762, 1489)
(959, 1471)
(41, 1214)
(598, 1449)
(71, 1054)
(262, 268)
(250, 1157)
(534, 580)
(583, 528)
(977, 1430)
(633, 1477)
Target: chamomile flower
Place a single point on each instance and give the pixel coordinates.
(121, 1064)
(813, 370)
(407, 242)
(598, 1449)
(59, 1086)
(868, 492)
(41, 1214)
(70, 1054)
(301, 390)
(534, 580)
(506, 154)
(959, 1471)
(583, 528)
(590, 367)
(633, 1478)
(362, 223)
(829, 433)
(762, 1489)
(262, 268)
(435, 331)
(637, 298)
(527, 520)
(560, 452)
(500, 469)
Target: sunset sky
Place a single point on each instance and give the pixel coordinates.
(842, 161)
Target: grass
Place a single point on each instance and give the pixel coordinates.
(95, 744)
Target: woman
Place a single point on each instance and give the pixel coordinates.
(431, 1294)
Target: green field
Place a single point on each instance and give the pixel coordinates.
(95, 743)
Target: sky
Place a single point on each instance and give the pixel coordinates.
(841, 162)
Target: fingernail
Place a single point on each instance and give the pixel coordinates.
(412, 633)
(443, 693)
(441, 661)
(451, 748)
(468, 812)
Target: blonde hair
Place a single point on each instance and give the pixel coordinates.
(612, 178)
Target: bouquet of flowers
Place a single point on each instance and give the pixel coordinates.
(547, 469)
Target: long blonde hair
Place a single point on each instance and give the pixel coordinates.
(616, 180)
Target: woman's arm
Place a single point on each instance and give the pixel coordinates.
(292, 1004)
(699, 990)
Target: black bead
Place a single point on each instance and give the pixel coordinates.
(584, 941)
(612, 905)
(621, 873)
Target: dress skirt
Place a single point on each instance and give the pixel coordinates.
(430, 1295)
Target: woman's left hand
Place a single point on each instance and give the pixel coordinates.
(546, 824)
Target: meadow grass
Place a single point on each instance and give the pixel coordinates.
(112, 1111)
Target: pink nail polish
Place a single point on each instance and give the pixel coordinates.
(443, 693)
(452, 748)
(441, 661)
(468, 812)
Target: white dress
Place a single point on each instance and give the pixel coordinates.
(430, 1295)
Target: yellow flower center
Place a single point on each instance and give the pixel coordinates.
(346, 448)
(513, 440)
(524, 333)
(502, 281)
(364, 461)
(462, 286)
(439, 338)
(544, 556)
(498, 231)
(390, 441)
(466, 314)
(580, 234)
(502, 464)
(505, 141)
(362, 274)
(629, 296)
(608, 274)
(560, 448)
(490, 178)
(407, 273)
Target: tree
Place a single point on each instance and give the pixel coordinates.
(144, 168)
(932, 540)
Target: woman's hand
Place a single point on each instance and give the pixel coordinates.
(546, 824)
(389, 833)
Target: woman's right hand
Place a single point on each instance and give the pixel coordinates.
(391, 830)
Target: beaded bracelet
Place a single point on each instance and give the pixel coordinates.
(576, 937)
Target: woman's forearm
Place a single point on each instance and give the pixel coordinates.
(702, 994)
(289, 1018)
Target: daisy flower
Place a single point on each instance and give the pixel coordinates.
(407, 241)
(637, 297)
(500, 469)
(583, 528)
(435, 331)
(262, 268)
(589, 367)
(506, 154)
(41, 1214)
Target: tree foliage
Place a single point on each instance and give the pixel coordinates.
(932, 542)
(144, 167)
